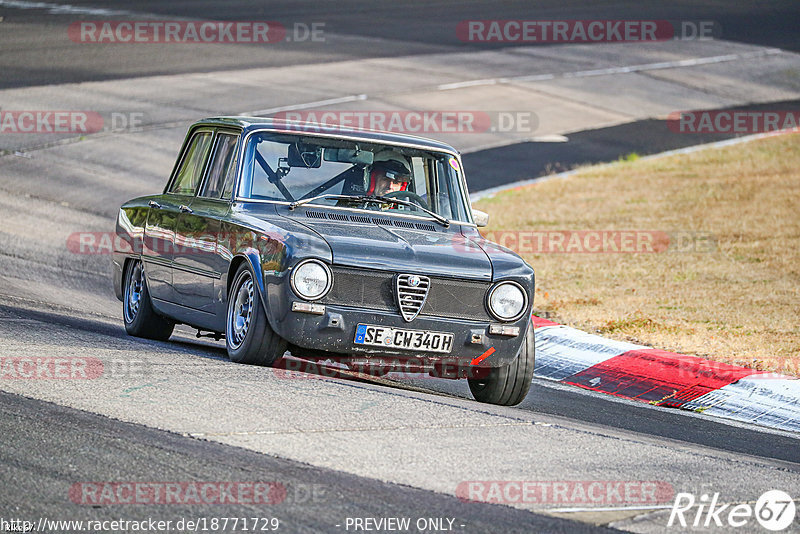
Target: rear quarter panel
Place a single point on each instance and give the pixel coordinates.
(129, 242)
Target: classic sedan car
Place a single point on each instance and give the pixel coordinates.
(329, 243)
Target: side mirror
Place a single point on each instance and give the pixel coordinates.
(481, 218)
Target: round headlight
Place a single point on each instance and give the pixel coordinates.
(311, 279)
(507, 301)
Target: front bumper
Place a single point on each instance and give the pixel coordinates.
(333, 330)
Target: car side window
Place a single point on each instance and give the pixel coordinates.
(450, 191)
(222, 170)
(191, 169)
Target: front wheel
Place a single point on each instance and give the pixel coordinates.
(508, 385)
(248, 335)
(141, 320)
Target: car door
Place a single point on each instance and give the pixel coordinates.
(199, 271)
(159, 240)
(159, 244)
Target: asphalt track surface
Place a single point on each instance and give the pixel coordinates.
(46, 446)
(545, 398)
(41, 54)
(527, 160)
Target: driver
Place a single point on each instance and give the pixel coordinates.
(390, 173)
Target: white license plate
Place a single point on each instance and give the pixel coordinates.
(401, 338)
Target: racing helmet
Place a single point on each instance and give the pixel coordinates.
(393, 165)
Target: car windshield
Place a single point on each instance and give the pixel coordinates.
(327, 172)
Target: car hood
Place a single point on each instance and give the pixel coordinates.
(444, 251)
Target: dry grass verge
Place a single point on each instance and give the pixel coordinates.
(726, 288)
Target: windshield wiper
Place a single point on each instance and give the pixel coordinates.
(298, 203)
(443, 220)
(375, 199)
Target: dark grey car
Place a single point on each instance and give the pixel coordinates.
(352, 245)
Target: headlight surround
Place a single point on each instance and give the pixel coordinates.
(311, 279)
(507, 301)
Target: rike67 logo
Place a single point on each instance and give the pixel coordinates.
(774, 510)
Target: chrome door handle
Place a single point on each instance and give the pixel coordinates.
(185, 209)
(155, 205)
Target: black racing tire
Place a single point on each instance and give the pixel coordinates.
(141, 320)
(508, 385)
(248, 335)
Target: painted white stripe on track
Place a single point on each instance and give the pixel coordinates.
(63, 9)
(607, 509)
(306, 105)
(624, 69)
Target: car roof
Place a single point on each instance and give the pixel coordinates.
(248, 124)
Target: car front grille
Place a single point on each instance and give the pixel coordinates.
(412, 292)
(447, 297)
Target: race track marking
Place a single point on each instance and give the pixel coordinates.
(661, 378)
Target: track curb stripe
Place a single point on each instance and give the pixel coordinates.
(661, 378)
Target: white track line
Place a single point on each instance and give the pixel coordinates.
(614, 70)
(469, 83)
(318, 103)
(529, 78)
(606, 509)
(63, 9)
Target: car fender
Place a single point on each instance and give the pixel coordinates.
(271, 251)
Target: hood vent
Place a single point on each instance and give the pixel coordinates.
(321, 215)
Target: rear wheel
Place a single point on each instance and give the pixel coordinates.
(248, 335)
(508, 385)
(141, 320)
